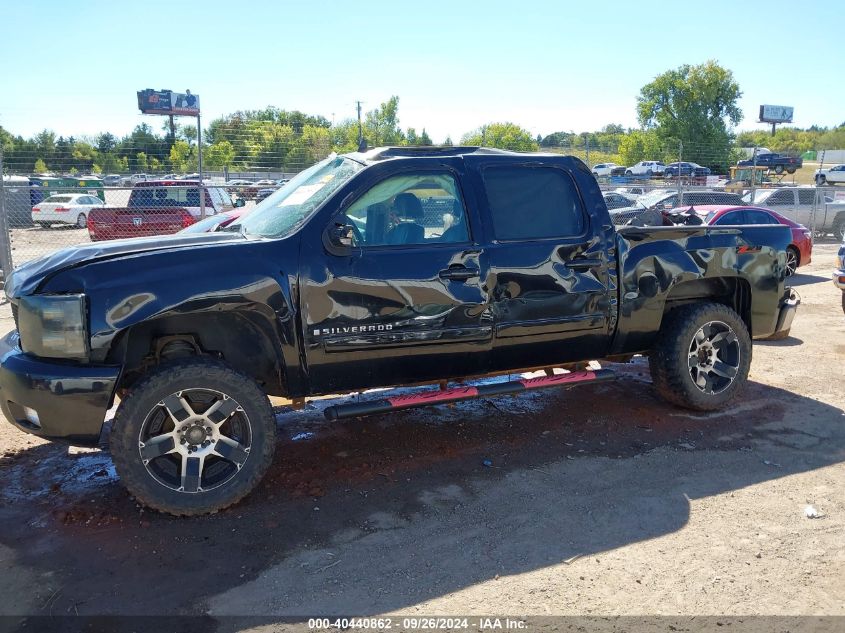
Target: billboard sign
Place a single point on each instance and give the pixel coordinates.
(775, 114)
(168, 102)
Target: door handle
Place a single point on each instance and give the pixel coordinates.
(583, 263)
(458, 273)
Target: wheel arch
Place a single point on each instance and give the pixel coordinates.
(243, 339)
(733, 292)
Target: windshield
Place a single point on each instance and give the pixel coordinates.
(760, 196)
(287, 208)
(652, 198)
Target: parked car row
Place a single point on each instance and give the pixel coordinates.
(651, 168)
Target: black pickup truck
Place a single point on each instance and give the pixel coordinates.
(777, 163)
(391, 267)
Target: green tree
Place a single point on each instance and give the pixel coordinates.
(182, 157)
(219, 155)
(448, 142)
(425, 139)
(640, 145)
(40, 167)
(141, 161)
(381, 126)
(694, 105)
(502, 135)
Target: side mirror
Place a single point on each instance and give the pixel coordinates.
(239, 202)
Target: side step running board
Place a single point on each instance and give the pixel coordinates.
(431, 397)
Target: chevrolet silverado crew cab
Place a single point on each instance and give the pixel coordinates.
(391, 267)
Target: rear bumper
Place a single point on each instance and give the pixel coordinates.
(62, 402)
(788, 308)
(839, 279)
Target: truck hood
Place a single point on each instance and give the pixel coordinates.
(26, 279)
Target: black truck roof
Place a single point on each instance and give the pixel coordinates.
(428, 151)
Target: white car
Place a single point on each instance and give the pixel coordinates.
(831, 175)
(607, 169)
(65, 208)
(646, 168)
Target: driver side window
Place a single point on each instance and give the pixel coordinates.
(411, 208)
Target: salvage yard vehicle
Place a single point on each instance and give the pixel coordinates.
(777, 163)
(830, 175)
(839, 273)
(158, 207)
(646, 168)
(341, 282)
(71, 208)
(805, 205)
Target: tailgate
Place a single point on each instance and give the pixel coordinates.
(111, 223)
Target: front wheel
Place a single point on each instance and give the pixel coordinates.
(702, 356)
(778, 169)
(193, 437)
(821, 180)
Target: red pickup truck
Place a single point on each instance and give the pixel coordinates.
(158, 207)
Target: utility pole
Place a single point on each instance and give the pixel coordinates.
(199, 166)
(361, 146)
(680, 166)
(753, 174)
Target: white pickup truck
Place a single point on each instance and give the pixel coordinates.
(807, 205)
(830, 175)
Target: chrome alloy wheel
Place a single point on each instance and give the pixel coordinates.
(791, 262)
(714, 357)
(195, 440)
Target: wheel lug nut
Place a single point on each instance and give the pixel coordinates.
(182, 441)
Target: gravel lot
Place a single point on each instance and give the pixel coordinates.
(602, 500)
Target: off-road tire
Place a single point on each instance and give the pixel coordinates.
(144, 396)
(669, 360)
(839, 227)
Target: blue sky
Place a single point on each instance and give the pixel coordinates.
(74, 67)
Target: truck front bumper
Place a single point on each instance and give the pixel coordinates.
(56, 401)
(788, 308)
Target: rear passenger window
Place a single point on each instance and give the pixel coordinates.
(532, 203)
(806, 196)
(759, 217)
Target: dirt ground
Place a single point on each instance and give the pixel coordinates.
(602, 500)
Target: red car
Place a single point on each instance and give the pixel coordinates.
(798, 253)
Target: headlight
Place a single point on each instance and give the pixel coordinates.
(53, 326)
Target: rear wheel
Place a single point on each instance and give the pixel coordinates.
(791, 170)
(628, 172)
(843, 302)
(839, 227)
(81, 221)
(702, 356)
(821, 180)
(44, 225)
(793, 258)
(193, 437)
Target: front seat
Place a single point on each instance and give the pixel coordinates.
(408, 209)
